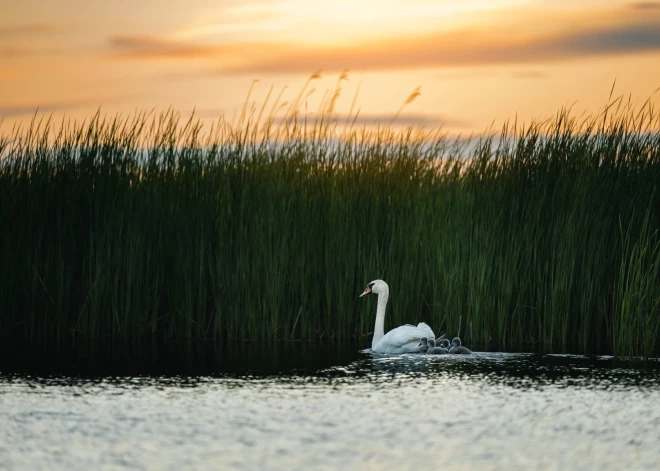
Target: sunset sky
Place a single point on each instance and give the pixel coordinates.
(476, 61)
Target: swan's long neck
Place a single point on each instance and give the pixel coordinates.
(379, 329)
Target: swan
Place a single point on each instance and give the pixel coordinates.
(423, 345)
(445, 344)
(433, 350)
(403, 339)
(457, 349)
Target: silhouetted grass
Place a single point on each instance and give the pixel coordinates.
(538, 236)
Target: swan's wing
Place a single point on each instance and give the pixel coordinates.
(427, 328)
(403, 339)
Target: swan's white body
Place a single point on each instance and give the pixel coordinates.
(403, 339)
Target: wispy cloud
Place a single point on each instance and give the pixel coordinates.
(12, 51)
(147, 47)
(403, 119)
(627, 38)
(22, 110)
(481, 46)
(26, 29)
(10, 111)
(155, 48)
(464, 49)
(645, 5)
(37, 39)
(34, 51)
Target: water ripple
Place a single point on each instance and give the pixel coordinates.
(485, 411)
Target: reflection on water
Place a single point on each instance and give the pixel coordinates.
(296, 405)
(173, 358)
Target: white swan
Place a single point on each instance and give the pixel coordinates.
(403, 339)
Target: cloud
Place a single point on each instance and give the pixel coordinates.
(12, 51)
(33, 39)
(10, 111)
(404, 119)
(631, 33)
(463, 49)
(26, 29)
(645, 5)
(30, 51)
(155, 48)
(149, 47)
(22, 110)
(630, 38)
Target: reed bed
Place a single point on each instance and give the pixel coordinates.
(542, 236)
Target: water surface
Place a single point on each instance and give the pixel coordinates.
(295, 406)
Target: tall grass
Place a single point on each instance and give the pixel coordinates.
(540, 236)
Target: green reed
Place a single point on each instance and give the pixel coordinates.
(540, 236)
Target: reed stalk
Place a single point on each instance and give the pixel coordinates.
(541, 236)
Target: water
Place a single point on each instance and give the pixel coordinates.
(296, 406)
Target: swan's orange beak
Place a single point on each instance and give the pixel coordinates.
(366, 292)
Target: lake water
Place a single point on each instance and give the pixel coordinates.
(299, 406)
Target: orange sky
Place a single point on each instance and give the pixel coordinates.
(476, 61)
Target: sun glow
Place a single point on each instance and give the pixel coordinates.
(346, 21)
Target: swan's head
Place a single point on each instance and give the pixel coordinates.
(456, 342)
(445, 343)
(431, 343)
(423, 342)
(376, 287)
